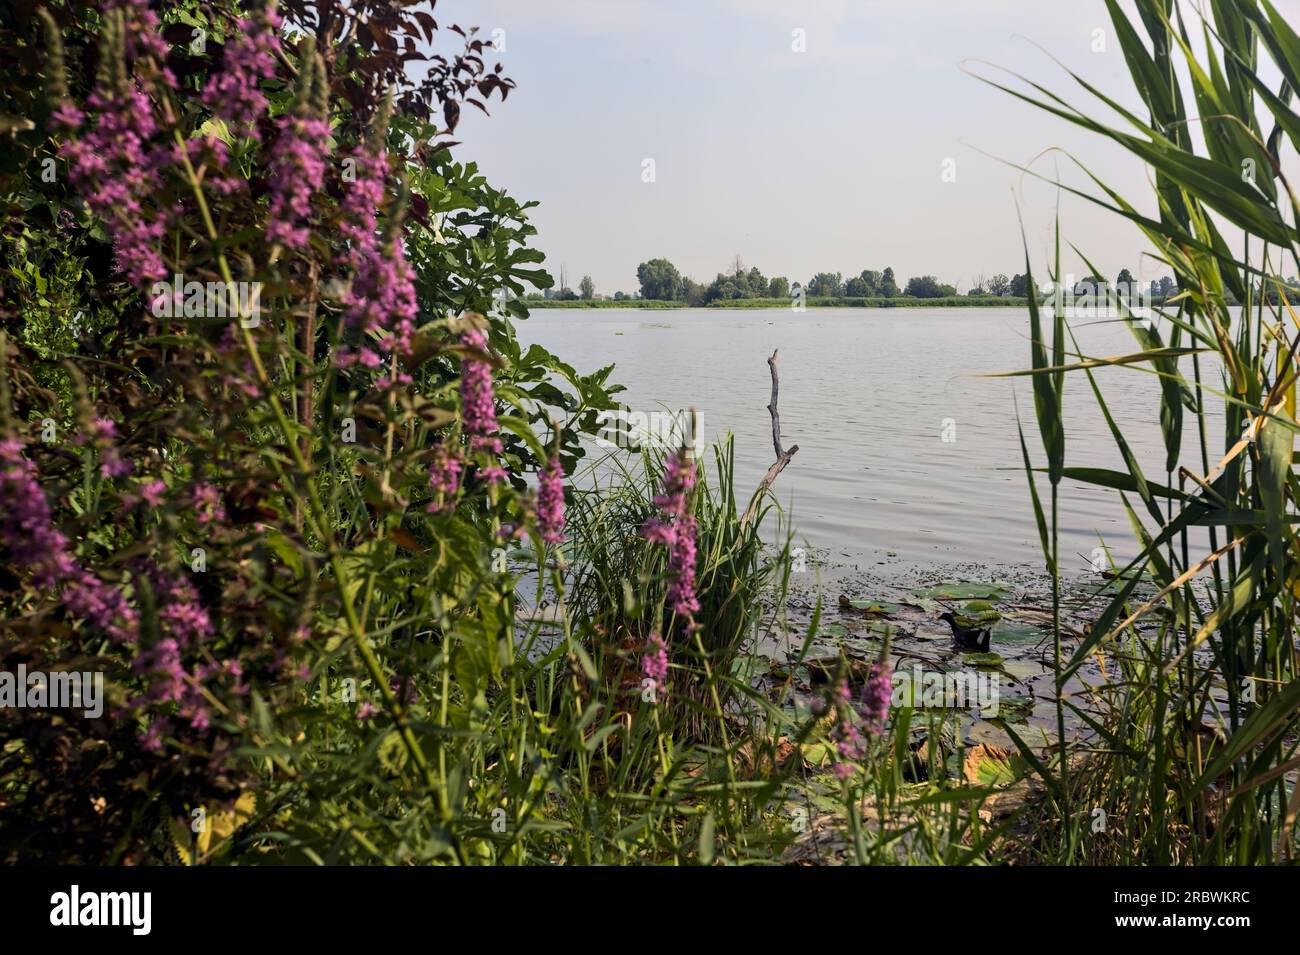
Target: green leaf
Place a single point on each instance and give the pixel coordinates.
(707, 847)
(869, 606)
(833, 630)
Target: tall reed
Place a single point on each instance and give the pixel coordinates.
(1191, 730)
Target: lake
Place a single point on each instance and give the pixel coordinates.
(906, 454)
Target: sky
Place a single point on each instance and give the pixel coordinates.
(872, 146)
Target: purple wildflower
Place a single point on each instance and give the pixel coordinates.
(550, 502)
(681, 568)
(847, 739)
(235, 93)
(362, 198)
(478, 408)
(101, 605)
(29, 534)
(184, 624)
(679, 479)
(493, 473)
(151, 739)
(382, 300)
(654, 663)
(876, 694)
(143, 31)
(26, 523)
(676, 530)
(298, 170)
(236, 672)
(67, 115)
(115, 169)
(161, 663)
(101, 434)
(195, 708)
(183, 615)
(207, 504)
(153, 493)
(113, 164)
(444, 477)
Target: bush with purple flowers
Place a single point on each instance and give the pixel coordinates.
(255, 529)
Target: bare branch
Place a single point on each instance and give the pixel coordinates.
(782, 457)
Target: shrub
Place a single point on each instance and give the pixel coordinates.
(260, 440)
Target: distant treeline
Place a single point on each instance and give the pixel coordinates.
(661, 281)
(663, 286)
(813, 301)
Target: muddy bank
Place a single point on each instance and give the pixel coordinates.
(838, 607)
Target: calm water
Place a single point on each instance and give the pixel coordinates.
(865, 393)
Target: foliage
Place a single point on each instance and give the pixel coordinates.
(659, 279)
(248, 543)
(826, 284)
(1197, 721)
(927, 286)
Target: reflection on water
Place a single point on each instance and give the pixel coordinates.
(903, 449)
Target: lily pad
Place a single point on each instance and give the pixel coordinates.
(1023, 669)
(964, 590)
(1007, 631)
(1015, 708)
(863, 646)
(868, 606)
(983, 659)
(832, 630)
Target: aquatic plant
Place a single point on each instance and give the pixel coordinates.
(1196, 721)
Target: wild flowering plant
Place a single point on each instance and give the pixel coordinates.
(199, 504)
(854, 723)
(675, 529)
(550, 502)
(654, 663)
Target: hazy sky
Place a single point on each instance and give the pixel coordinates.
(827, 160)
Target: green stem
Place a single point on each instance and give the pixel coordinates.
(1060, 685)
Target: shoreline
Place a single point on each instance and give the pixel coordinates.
(954, 301)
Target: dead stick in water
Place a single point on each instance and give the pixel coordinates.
(782, 457)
